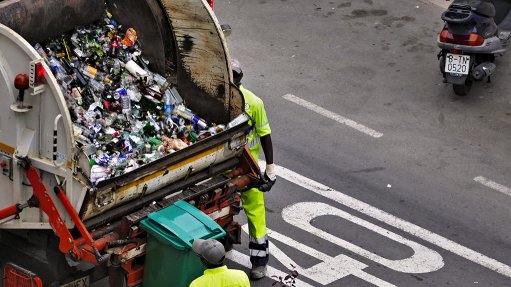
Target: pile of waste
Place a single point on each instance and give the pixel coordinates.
(124, 115)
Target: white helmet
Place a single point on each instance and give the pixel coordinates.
(236, 66)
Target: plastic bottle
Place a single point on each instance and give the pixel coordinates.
(168, 103)
(56, 68)
(97, 86)
(182, 111)
(77, 95)
(153, 122)
(134, 94)
(161, 82)
(116, 67)
(77, 130)
(41, 51)
(125, 101)
(176, 98)
(127, 146)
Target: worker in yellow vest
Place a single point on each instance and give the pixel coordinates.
(212, 255)
(253, 200)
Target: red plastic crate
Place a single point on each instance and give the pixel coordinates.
(15, 276)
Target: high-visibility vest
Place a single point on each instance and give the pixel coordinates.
(222, 277)
(254, 107)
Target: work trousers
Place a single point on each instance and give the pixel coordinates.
(253, 204)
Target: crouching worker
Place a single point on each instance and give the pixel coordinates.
(212, 255)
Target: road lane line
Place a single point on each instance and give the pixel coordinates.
(392, 220)
(493, 185)
(333, 116)
(244, 260)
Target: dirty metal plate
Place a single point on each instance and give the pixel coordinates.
(82, 282)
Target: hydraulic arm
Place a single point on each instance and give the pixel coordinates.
(42, 200)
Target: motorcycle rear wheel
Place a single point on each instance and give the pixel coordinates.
(463, 89)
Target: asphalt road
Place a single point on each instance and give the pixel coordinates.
(398, 199)
(405, 209)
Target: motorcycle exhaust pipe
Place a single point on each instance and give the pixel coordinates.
(483, 70)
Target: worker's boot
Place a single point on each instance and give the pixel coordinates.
(258, 272)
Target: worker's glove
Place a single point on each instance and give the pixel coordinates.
(269, 177)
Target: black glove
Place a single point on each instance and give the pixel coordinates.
(268, 183)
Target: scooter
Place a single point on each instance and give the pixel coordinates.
(474, 33)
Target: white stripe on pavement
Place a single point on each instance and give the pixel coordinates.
(244, 260)
(333, 116)
(348, 265)
(392, 220)
(493, 185)
(423, 260)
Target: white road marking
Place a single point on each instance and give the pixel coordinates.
(394, 221)
(244, 260)
(329, 270)
(333, 116)
(423, 259)
(493, 185)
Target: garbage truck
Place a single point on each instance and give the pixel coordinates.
(56, 227)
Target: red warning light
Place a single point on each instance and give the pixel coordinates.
(212, 4)
(39, 74)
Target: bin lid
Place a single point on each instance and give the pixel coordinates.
(180, 224)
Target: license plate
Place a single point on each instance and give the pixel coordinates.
(82, 282)
(457, 64)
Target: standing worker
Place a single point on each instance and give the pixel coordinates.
(212, 255)
(253, 199)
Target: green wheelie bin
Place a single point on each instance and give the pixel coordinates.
(170, 260)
